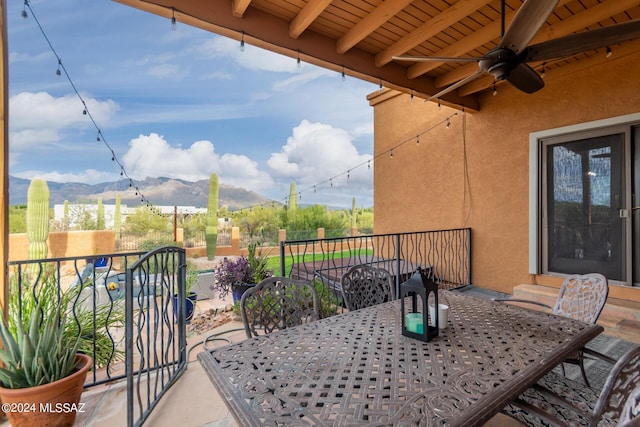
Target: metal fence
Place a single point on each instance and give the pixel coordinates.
(122, 306)
(445, 254)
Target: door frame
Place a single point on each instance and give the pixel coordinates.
(535, 193)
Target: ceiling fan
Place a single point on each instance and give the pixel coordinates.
(508, 61)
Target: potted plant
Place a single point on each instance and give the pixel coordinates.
(43, 374)
(239, 274)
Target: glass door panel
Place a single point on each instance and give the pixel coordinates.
(584, 198)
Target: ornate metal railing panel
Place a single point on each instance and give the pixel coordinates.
(155, 329)
(93, 289)
(445, 253)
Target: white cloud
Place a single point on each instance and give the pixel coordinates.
(253, 58)
(152, 156)
(320, 155)
(39, 118)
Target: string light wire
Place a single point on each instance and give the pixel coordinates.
(389, 152)
(124, 173)
(62, 69)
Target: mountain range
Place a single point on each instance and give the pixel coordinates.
(159, 191)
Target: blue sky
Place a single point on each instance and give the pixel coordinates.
(179, 103)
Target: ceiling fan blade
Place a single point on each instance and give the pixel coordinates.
(525, 78)
(437, 59)
(456, 85)
(525, 25)
(581, 42)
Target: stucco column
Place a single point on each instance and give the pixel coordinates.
(235, 239)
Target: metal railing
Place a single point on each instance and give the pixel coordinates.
(446, 254)
(122, 306)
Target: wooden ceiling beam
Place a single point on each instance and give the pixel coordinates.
(272, 33)
(430, 28)
(580, 21)
(370, 23)
(238, 7)
(307, 15)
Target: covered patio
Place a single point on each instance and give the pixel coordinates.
(475, 153)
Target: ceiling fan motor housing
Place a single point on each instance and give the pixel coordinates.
(499, 62)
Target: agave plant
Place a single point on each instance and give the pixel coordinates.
(95, 329)
(41, 355)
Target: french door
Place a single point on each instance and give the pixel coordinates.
(590, 219)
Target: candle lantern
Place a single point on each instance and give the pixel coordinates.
(414, 300)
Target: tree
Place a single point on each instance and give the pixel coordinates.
(117, 219)
(143, 220)
(18, 219)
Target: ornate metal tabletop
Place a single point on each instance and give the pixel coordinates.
(358, 369)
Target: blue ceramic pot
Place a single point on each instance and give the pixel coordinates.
(238, 290)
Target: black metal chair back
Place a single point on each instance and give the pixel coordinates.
(278, 303)
(364, 285)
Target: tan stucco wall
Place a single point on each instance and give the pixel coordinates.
(422, 187)
(65, 244)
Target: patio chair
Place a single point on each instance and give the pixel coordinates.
(364, 285)
(558, 401)
(278, 303)
(581, 297)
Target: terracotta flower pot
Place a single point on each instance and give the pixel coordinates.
(54, 404)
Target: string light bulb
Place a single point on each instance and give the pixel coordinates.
(173, 19)
(448, 123)
(242, 42)
(58, 72)
(495, 91)
(417, 139)
(542, 72)
(608, 52)
(391, 153)
(24, 10)
(298, 62)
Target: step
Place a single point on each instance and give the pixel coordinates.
(620, 318)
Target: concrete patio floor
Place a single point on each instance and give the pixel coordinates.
(193, 400)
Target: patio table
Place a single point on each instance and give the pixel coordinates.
(358, 369)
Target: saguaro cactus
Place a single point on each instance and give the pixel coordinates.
(116, 218)
(38, 218)
(211, 230)
(100, 215)
(65, 217)
(293, 197)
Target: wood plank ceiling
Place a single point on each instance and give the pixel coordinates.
(360, 37)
